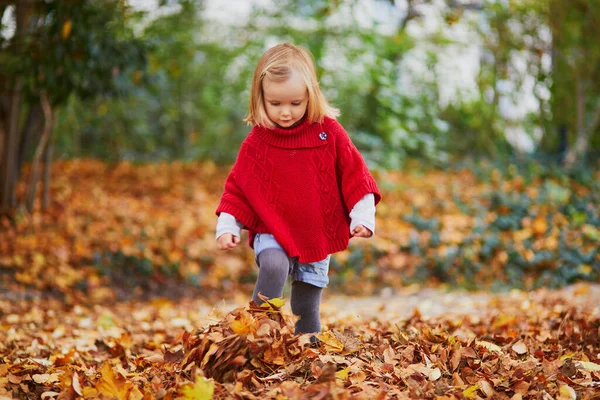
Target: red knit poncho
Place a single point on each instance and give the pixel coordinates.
(298, 184)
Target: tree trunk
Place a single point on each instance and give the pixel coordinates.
(10, 116)
(8, 165)
(39, 151)
(47, 167)
(584, 133)
(32, 125)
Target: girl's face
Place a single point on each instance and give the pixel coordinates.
(285, 102)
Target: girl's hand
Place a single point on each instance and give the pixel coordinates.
(227, 241)
(362, 231)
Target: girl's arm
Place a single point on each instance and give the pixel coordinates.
(363, 214)
(226, 223)
(228, 231)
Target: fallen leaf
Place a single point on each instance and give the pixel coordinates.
(519, 347)
(587, 366)
(566, 393)
(76, 385)
(342, 374)
(110, 386)
(471, 391)
(330, 342)
(45, 378)
(202, 389)
(244, 324)
(490, 346)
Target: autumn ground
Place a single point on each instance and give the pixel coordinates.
(117, 291)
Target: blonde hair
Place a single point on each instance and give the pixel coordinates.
(276, 64)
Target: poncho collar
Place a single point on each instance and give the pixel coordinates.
(303, 135)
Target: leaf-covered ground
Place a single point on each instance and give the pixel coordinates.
(113, 231)
(117, 291)
(530, 345)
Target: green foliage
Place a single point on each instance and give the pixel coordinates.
(79, 48)
(182, 80)
(187, 108)
(555, 254)
(195, 89)
(469, 129)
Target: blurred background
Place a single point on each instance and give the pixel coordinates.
(149, 80)
(507, 90)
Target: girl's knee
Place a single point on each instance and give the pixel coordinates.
(274, 260)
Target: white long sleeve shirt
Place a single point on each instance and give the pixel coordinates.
(363, 213)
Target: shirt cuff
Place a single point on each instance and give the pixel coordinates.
(226, 223)
(363, 213)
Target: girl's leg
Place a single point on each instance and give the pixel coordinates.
(274, 268)
(306, 304)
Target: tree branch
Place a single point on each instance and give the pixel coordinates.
(39, 151)
(411, 13)
(583, 132)
(475, 6)
(595, 120)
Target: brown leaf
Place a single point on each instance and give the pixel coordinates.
(173, 357)
(327, 373)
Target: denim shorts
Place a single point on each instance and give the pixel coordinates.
(314, 273)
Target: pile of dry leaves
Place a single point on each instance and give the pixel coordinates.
(515, 350)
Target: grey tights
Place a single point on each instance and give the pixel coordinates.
(275, 266)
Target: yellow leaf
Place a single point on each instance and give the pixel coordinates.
(587, 366)
(331, 342)
(581, 289)
(504, 321)
(584, 269)
(89, 392)
(110, 387)
(470, 392)
(244, 324)
(66, 29)
(566, 393)
(540, 225)
(343, 374)
(202, 389)
(38, 260)
(135, 394)
(18, 260)
(274, 304)
(591, 232)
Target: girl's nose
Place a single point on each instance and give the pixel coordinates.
(285, 111)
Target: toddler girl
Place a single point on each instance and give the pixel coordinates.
(299, 185)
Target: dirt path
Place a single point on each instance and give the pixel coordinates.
(432, 303)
